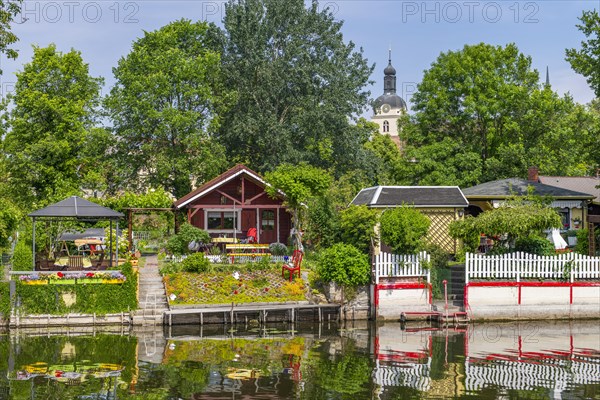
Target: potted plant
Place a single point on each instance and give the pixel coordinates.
(576, 222)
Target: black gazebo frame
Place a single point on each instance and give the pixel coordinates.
(75, 207)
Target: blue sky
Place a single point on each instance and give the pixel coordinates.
(418, 31)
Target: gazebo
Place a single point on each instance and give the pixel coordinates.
(83, 210)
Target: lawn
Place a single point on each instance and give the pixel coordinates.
(227, 287)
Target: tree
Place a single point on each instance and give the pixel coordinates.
(345, 265)
(54, 109)
(164, 107)
(298, 183)
(586, 61)
(357, 226)
(403, 229)
(9, 9)
(298, 86)
(481, 115)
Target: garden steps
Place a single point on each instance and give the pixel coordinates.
(152, 298)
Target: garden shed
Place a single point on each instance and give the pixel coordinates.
(234, 202)
(441, 204)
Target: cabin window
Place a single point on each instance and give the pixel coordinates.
(565, 218)
(220, 220)
(268, 220)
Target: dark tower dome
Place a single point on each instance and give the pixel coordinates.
(389, 96)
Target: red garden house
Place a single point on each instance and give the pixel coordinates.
(233, 203)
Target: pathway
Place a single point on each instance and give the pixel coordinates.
(152, 296)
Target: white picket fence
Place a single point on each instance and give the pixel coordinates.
(520, 265)
(400, 266)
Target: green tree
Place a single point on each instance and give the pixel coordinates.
(299, 183)
(298, 85)
(54, 109)
(9, 9)
(357, 226)
(586, 60)
(164, 106)
(404, 229)
(345, 265)
(10, 217)
(481, 114)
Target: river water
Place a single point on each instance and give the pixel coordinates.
(533, 360)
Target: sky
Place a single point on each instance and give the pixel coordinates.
(416, 31)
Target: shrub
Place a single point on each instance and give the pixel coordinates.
(22, 258)
(195, 263)
(403, 229)
(582, 246)
(535, 245)
(357, 225)
(178, 244)
(278, 249)
(344, 264)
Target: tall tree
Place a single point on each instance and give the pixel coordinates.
(54, 106)
(481, 114)
(586, 60)
(298, 84)
(9, 9)
(165, 105)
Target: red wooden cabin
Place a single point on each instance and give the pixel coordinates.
(235, 201)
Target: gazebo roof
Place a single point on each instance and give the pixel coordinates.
(76, 207)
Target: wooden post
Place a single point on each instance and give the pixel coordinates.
(130, 229)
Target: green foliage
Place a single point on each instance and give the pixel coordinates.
(344, 264)
(467, 232)
(9, 221)
(55, 101)
(164, 106)
(153, 198)
(298, 86)
(4, 299)
(534, 245)
(123, 241)
(404, 229)
(195, 263)
(481, 115)
(9, 10)
(278, 249)
(178, 244)
(586, 61)
(347, 375)
(22, 258)
(582, 246)
(357, 226)
(90, 298)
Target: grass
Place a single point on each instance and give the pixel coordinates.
(223, 287)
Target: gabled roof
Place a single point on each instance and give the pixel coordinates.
(76, 207)
(417, 196)
(505, 188)
(214, 183)
(584, 184)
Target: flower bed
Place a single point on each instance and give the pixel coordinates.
(61, 278)
(224, 287)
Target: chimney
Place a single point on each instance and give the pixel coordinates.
(533, 174)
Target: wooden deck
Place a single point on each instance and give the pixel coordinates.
(292, 312)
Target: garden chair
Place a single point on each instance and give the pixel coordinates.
(75, 263)
(294, 266)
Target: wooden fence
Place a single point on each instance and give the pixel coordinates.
(566, 266)
(400, 266)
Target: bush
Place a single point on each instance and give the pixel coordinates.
(582, 246)
(344, 264)
(195, 263)
(357, 225)
(178, 244)
(22, 259)
(278, 249)
(403, 229)
(535, 245)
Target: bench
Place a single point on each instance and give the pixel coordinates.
(247, 250)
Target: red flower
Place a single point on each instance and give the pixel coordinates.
(60, 274)
(239, 284)
(90, 274)
(266, 289)
(235, 292)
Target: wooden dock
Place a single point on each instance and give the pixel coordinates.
(233, 314)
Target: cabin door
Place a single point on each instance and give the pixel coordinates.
(248, 220)
(268, 233)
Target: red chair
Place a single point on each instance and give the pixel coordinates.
(295, 265)
(251, 236)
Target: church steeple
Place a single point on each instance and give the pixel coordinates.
(547, 76)
(389, 79)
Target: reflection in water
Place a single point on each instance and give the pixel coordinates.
(390, 361)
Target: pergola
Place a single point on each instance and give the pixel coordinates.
(82, 210)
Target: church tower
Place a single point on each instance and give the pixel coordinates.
(389, 107)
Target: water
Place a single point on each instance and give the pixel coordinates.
(535, 360)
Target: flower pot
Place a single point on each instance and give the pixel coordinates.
(37, 282)
(112, 281)
(63, 281)
(91, 281)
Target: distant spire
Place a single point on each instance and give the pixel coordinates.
(389, 79)
(547, 76)
(390, 55)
